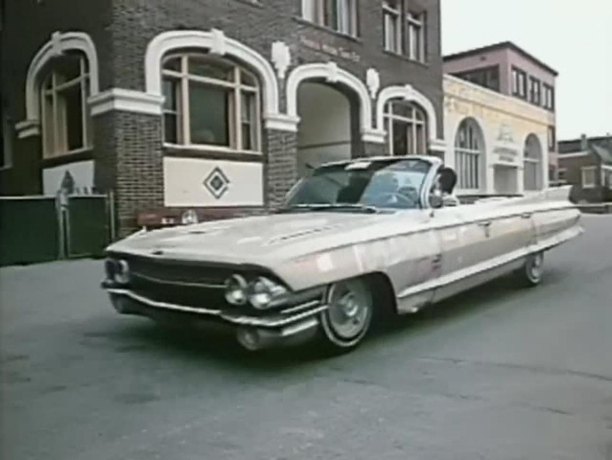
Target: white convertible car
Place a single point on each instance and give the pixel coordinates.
(355, 240)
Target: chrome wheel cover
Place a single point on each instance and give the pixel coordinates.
(535, 267)
(349, 312)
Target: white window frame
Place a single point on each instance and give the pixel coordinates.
(346, 17)
(56, 121)
(411, 123)
(392, 15)
(588, 184)
(234, 121)
(415, 30)
(468, 160)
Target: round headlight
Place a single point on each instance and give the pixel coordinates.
(122, 276)
(263, 292)
(236, 290)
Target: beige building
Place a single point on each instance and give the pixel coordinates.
(497, 143)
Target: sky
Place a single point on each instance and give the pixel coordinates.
(575, 38)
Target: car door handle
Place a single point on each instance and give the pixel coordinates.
(486, 223)
(526, 215)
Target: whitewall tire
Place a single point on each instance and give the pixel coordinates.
(348, 318)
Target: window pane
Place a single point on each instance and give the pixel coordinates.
(249, 121)
(173, 64)
(209, 114)
(73, 104)
(212, 69)
(400, 138)
(48, 126)
(403, 110)
(309, 10)
(343, 15)
(247, 79)
(170, 94)
(411, 141)
(421, 141)
(171, 128)
(391, 31)
(68, 67)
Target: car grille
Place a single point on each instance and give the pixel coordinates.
(197, 286)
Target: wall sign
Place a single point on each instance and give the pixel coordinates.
(505, 156)
(336, 51)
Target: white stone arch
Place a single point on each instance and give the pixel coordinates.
(331, 73)
(215, 42)
(471, 122)
(533, 158)
(409, 94)
(60, 43)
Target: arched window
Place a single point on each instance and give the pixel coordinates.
(65, 117)
(532, 173)
(210, 102)
(406, 126)
(469, 154)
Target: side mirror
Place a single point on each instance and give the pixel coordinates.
(435, 200)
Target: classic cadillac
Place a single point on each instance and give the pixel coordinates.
(355, 241)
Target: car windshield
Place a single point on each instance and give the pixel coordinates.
(362, 186)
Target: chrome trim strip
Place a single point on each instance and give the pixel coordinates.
(177, 283)
(239, 320)
(250, 321)
(300, 327)
(490, 264)
(301, 307)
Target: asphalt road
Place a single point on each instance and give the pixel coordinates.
(497, 373)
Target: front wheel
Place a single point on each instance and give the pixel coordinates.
(348, 317)
(533, 268)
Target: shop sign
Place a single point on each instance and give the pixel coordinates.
(336, 51)
(505, 156)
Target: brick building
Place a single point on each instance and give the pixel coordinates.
(508, 70)
(586, 163)
(217, 105)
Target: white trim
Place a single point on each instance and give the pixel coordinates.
(27, 128)
(56, 46)
(282, 122)
(126, 100)
(583, 183)
(585, 153)
(331, 73)
(606, 167)
(217, 43)
(410, 94)
(210, 148)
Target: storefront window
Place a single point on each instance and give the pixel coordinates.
(65, 116)
(532, 171)
(469, 153)
(210, 102)
(406, 126)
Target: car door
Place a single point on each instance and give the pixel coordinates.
(482, 242)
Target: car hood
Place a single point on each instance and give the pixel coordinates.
(257, 240)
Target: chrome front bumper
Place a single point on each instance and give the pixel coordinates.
(253, 332)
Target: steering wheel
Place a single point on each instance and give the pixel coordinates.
(394, 198)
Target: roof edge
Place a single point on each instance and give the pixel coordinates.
(498, 46)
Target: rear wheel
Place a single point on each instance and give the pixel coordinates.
(348, 317)
(532, 271)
